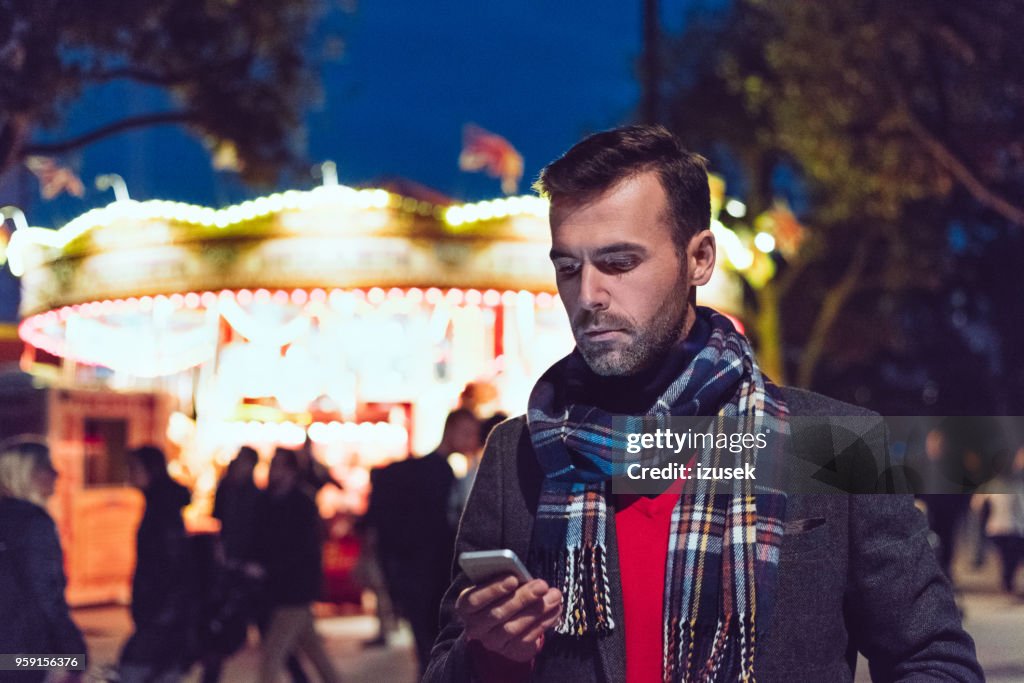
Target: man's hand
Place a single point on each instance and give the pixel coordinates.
(509, 619)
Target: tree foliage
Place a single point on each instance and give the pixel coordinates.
(237, 71)
(896, 120)
(886, 103)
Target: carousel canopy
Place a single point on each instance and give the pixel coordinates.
(161, 273)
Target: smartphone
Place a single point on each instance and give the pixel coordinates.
(484, 565)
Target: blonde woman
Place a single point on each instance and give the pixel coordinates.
(36, 620)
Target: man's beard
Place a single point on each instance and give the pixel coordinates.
(644, 347)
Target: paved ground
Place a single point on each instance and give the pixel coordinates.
(106, 628)
(995, 620)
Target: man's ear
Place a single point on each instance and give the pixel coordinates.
(700, 256)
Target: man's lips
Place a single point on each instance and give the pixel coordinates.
(603, 333)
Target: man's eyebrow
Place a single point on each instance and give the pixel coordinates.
(616, 248)
(619, 247)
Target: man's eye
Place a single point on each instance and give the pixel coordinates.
(566, 268)
(620, 265)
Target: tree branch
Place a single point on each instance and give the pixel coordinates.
(140, 75)
(169, 78)
(793, 271)
(129, 123)
(831, 307)
(959, 170)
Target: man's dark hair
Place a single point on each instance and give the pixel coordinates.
(458, 414)
(153, 461)
(287, 457)
(488, 425)
(599, 161)
(247, 458)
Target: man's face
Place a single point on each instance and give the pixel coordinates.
(620, 276)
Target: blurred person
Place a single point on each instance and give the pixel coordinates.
(235, 503)
(370, 576)
(35, 617)
(164, 602)
(1003, 511)
(313, 474)
(289, 550)
(410, 510)
(755, 584)
(464, 484)
(238, 598)
(945, 467)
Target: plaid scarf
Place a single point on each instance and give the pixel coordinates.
(725, 536)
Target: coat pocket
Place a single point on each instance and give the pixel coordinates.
(804, 536)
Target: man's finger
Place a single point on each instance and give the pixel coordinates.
(491, 624)
(525, 596)
(477, 598)
(537, 616)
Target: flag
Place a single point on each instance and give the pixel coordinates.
(54, 178)
(483, 150)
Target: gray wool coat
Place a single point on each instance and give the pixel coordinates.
(856, 574)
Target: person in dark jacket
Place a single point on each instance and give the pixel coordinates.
(289, 550)
(35, 617)
(409, 508)
(235, 505)
(162, 600)
(238, 600)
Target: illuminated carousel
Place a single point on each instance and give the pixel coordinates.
(356, 317)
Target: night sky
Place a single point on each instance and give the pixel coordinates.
(411, 74)
(541, 74)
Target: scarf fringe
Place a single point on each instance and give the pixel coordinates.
(582, 576)
(724, 656)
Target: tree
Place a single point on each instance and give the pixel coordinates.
(885, 103)
(893, 116)
(237, 71)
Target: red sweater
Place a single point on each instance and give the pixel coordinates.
(642, 527)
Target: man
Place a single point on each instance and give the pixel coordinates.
(673, 587)
(288, 547)
(409, 509)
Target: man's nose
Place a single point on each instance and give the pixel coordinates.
(593, 289)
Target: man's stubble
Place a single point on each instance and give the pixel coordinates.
(645, 347)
